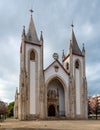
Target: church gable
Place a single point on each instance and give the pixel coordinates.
(54, 70)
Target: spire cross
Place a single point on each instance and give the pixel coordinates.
(72, 25)
(31, 11)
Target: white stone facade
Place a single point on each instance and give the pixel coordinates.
(59, 91)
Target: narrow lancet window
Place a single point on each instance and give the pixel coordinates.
(67, 66)
(32, 55)
(77, 65)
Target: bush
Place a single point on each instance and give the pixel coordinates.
(11, 109)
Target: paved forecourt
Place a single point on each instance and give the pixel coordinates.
(51, 125)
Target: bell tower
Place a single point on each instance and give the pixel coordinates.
(31, 74)
(74, 63)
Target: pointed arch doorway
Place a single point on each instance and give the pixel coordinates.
(55, 98)
(51, 110)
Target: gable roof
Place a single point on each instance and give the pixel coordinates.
(59, 65)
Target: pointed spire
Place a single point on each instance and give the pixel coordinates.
(32, 35)
(74, 44)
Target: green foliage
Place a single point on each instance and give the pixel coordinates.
(11, 109)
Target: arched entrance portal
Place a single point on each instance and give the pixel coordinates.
(51, 111)
(55, 98)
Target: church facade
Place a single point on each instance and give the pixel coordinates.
(60, 90)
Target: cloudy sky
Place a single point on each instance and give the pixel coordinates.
(54, 18)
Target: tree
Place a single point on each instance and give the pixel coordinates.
(89, 108)
(3, 110)
(94, 106)
(11, 109)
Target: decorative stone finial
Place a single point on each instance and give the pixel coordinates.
(23, 29)
(83, 45)
(55, 56)
(23, 33)
(63, 52)
(83, 50)
(63, 55)
(41, 36)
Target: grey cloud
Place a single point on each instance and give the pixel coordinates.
(54, 18)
